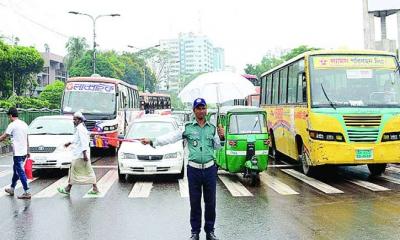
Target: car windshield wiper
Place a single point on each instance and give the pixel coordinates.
(327, 98)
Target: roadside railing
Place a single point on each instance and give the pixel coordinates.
(27, 115)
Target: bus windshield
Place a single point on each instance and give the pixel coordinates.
(95, 103)
(354, 81)
(90, 98)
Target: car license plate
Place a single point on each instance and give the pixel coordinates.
(40, 159)
(364, 154)
(150, 168)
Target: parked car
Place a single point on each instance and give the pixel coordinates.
(134, 158)
(47, 136)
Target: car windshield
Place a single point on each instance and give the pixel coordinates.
(354, 81)
(247, 123)
(52, 127)
(150, 130)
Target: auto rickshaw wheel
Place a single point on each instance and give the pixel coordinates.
(255, 179)
(272, 151)
(306, 168)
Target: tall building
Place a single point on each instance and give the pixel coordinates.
(189, 54)
(53, 69)
(218, 59)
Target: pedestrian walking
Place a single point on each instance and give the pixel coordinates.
(18, 131)
(80, 171)
(201, 169)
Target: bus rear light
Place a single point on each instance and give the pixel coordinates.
(267, 142)
(393, 136)
(232, 143)
(326, 136)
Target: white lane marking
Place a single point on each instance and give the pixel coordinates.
(235, 187)
(19, 185)
(282, 166)
(5, 165)
(5, 173)
(276, 185)
(368, 185)
(141, 190)
(312, 182)
(104, 184)
(184, 187)
(51, 190)
(389, 179)
(393, 169)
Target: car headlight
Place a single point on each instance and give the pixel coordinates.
(128, 156)
(391, 136)
(171, 155)
(326, 136)
(110, 128)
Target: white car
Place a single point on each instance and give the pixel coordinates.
(47, 136)
(134, 158)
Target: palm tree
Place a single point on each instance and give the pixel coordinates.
(76, 48)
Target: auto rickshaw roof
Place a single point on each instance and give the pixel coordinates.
(239, 109)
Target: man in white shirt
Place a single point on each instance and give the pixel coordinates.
(81, 171)
(18, 131)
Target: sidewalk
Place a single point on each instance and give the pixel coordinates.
(5, 149)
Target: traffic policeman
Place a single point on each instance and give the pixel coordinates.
(202, 139)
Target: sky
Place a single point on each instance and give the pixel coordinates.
(247, 30)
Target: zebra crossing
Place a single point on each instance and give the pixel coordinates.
(234, 184)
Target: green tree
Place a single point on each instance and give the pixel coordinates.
(26, 63)
(5, 65)
(269, 61)
(297, 51)
(52, 93)
(76, 48)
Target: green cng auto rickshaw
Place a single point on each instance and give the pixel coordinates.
(247, 141)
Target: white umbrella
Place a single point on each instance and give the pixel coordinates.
(217, 87)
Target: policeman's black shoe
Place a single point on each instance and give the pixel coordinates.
(195, 236)
(211, 236)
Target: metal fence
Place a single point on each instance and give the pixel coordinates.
(27, 115)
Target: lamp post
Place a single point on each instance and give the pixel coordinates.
(94, 19)
(141, 51)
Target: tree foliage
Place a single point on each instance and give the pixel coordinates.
(24, 102)
(126, 66)
(52, 93)
(76, 48)
(20, 64)
(269, 61)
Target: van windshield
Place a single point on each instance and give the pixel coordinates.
(247, 123)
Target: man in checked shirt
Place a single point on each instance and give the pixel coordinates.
(201, 170)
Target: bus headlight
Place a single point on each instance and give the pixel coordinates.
(392, 136)
(326, 136)
(110, 128)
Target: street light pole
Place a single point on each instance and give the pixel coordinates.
(144, 67)
(94, 19)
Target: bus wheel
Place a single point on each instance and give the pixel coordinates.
(377, 169)
(306, 168)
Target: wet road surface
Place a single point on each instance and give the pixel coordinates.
(342, 203)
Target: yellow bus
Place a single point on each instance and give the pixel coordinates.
(335, 107)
